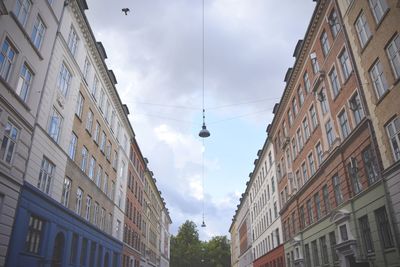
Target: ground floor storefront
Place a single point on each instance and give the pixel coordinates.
(45, 233)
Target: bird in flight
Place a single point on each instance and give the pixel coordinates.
(125, 10)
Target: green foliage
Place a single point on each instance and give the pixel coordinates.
(188, 251)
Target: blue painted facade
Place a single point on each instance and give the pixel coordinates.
(62, 238)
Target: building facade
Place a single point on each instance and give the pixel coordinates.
(26, 43)
(373, 32)
(134, 208)
(233, 231)
(334, 206)
(264, 209)
(67, 157)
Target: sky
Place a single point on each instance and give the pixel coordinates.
(156, 54)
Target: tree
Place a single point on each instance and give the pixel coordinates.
(186, 246)
(217, 252)
(188, 251)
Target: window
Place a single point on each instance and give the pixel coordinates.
(314, 119)
(323, 101)
(275, 210)
(304, 171)
(329, 133)
(317, 203)
(370, 165)
(7, 57)
(332, 243)
(310, 212)
(306, 128)
(334, 23)
(393, 130)
(98, 176)
(96, 213)
(64, 80)
(302, 218)
(294, 107)
(86, 69)
(83, 252)
(103, 141)
(89, 121)
(336, 189)
(92, 164)
(300, 139)
(108, 150)
(101, 101)
(290, 117)
(115, 159)
(318, 149)
(300, 95)
(298, 179)
(105, 184)
(385, 234)
(356, 108)
(74, 249)
(378, 8)
(343, 232)
(107, 112)
(78, 204)
(393, 51)
(311, 164)
(73, 41)
(55, 125)
(9, 142)
(102, 215)
(66, 191)
(314, 62)
(307, 255)
(84, 155)
(38, 33)
(294, 148)
(88, 207)
(315, 252)
(79, 105)
(324, 250)
(273, 184)
(34, 236)
(45, 176)
(325, 195)
(345, 64)
(306, 81)
(24, 82)
(352, 168)
(21, 10)
(344, 124)
(334, 82)
(95, 87)
(96, 132)
(366, 234)
(72, 146)
(324, 43)
(378, 79)
(363, 31)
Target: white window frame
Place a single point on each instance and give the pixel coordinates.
(345, 64)
(55, 124)
(66, 191)
(378, 8)
(45, 179)
(38, 32)
(363, 31)
(378, 79)
(73, 41)
(78, 203)
(21, 10)
(393, 53)
(24, 82)
(334, 79)
(9, 142)
(73, 146)
(64, 79)
(8, 52)
(393, 132)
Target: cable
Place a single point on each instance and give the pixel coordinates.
(240, 116)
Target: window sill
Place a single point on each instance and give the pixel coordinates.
(10, 89)
(382, 97)
(79, 118)
(363, 47)
(378, 24)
